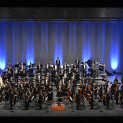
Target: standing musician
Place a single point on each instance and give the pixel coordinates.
(77, 61)
(69, 94)
(65, 67)
(58, 62)
(116, 95)
(15, 95)
(104, 98)
(41, 98)
(26, 101)
(120, 98)
(107, 99)
(95, 90)
(39, 66)
(11, 99)
(60, 96)
(16, 74)
(47, 66)
(84, 68)
(91, 99)
(50, 94)
(100, 92)
(1, 94)
(77, 99)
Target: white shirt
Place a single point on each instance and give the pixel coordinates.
(55, 67)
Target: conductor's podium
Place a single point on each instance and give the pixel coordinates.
(56, 107)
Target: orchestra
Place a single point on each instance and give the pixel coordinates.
(16, 85)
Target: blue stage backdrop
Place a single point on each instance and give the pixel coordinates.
(33, 41)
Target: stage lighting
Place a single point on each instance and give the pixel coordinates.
(114, 65)
(2, 66)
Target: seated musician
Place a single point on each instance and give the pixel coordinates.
(116, 80)
(41, 97)
(1, 94)
(24, 72)
(11, 99)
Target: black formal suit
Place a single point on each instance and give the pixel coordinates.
(84, 68)
(77, 100)
(58, 63)
(59, 95)
(77, 61)
(39, 66)
(11, 99)
(91, 101)
(47, 66)
(40, 101)
(107, 100)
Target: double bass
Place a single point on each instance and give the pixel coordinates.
(69, 93)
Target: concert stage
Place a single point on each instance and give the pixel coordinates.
(70, 109)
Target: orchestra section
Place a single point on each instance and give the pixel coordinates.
(50, 87)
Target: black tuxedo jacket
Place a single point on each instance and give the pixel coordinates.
(58, 62)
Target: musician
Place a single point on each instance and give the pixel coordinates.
(24, 72)
(84, 68)
(58, 62)
(65, 67)
(122, 80)
(77, 61)
(50, 94)
(26, 100)
(1, 94)
(6, 92)
(39, 66)
(91, 99)
(100, 92)
(38, 76)
(59, 95)
(116, 80)
(93, 68)
(104, 98)
(35, 91)
(30, 68)
(11, 99)
(9, 74)
(56, 67)
(116, 95)
(69, 95)
(77, 98)
(15, 95)
(47, 66)
(107, 99)
(120, 98)
(41, 97)
(16, 74)
(95, 90)
(53, 72)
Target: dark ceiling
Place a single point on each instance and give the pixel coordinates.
(61, 3)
